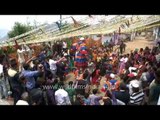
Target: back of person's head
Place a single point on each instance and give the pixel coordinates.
(109, 94)
(40, 74)
(26, 66)
(122, 86)
(141, 49)
(1, 60)
(85, 75)
(107, 101)
(13, 63)
(60, 85)
(55, 81)
(95, 91)
(70, 83)
(50, 57)
(86, 95)
(135, 89)
(157, 74)
(36, 96)
(22, 78)
(145, 69)
(25, 96)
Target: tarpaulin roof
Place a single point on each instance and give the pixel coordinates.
(100, 24)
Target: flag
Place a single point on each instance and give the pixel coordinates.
(76, 24)
(104, 88)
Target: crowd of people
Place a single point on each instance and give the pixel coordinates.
(129, 78)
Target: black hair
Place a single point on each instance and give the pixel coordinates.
(25, 96)
(70, 83)
(145, 69)
(109, 94)
(13, 63)
(95, 91)
(107, 101)
(86, 95)
(123, 86)
(22, 78)
(60, 84)
(135, 89)
(85, 75)
(26, 66)
(40, 74)
(1, 59)
(157, 73)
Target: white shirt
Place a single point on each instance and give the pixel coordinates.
(62, 98)
(52, 64)
(132, 68)
(64, 45)
(27, 48)
(1, 68)
(22, 102)
(20, 55)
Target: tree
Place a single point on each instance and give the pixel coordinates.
(19, 29)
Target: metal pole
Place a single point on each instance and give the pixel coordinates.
(60, 20)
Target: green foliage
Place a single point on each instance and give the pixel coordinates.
(19, 29)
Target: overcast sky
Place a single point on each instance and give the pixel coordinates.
(7, 21)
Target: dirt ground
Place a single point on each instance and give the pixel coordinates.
(139, 42)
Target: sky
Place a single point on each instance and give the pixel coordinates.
(7, 21)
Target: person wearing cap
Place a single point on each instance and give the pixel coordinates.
(81, 54)
(24, 99)
(133, 81)
(113, 83)
(137, 97)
